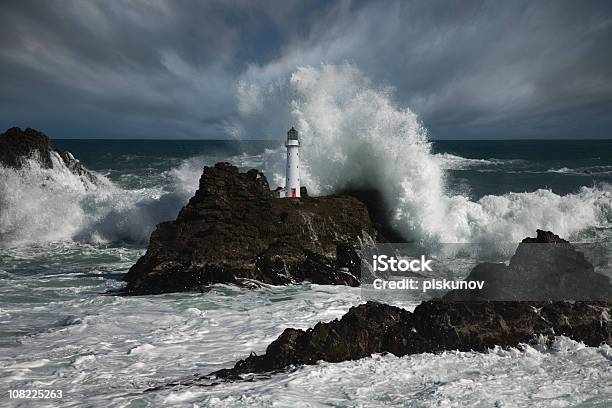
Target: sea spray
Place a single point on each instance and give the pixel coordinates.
(40, 204)
(37, 203)
(354, 136)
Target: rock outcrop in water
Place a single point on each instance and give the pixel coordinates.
(434, 326)
(440, 325)
(17, 146)
(234, 230)
(543, 268)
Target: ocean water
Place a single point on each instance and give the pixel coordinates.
(65, 246)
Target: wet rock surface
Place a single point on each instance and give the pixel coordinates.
(434, 326)
(234, 230)
(457, 322)
(543, 268)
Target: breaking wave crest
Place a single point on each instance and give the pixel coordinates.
(581, 171)
(452, 162)
(354, 136)
(43, 205)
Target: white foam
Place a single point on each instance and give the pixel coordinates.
(125, 345)
(450, 161)
(118, 347)
(566, 376)
(561, 170)
(353, 135)
(143, 349)
(583, 171)
(45, 205)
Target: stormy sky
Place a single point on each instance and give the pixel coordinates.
(170, 69)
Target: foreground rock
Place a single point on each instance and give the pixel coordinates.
(543, 268)
(439, 325)
(234, 229)
(17, 146)
(433, 327)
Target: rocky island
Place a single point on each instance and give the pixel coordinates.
(544, 268)
(236, 230)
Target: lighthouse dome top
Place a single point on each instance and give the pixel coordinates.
(292, 134)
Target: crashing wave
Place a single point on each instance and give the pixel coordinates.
(47, 195)
(18, 147)
(355, 137)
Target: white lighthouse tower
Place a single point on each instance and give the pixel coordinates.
(292, 186)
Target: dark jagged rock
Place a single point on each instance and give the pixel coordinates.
(546, 267)
(234, 229)
(433, 327)
(379, 211)
(17, 146)
(440, 325)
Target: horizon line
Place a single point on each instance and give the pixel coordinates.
(280, 140)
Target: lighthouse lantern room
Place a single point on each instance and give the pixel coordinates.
(292, 186)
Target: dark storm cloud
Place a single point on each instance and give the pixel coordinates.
(170, 68)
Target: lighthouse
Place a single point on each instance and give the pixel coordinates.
(292, 186)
